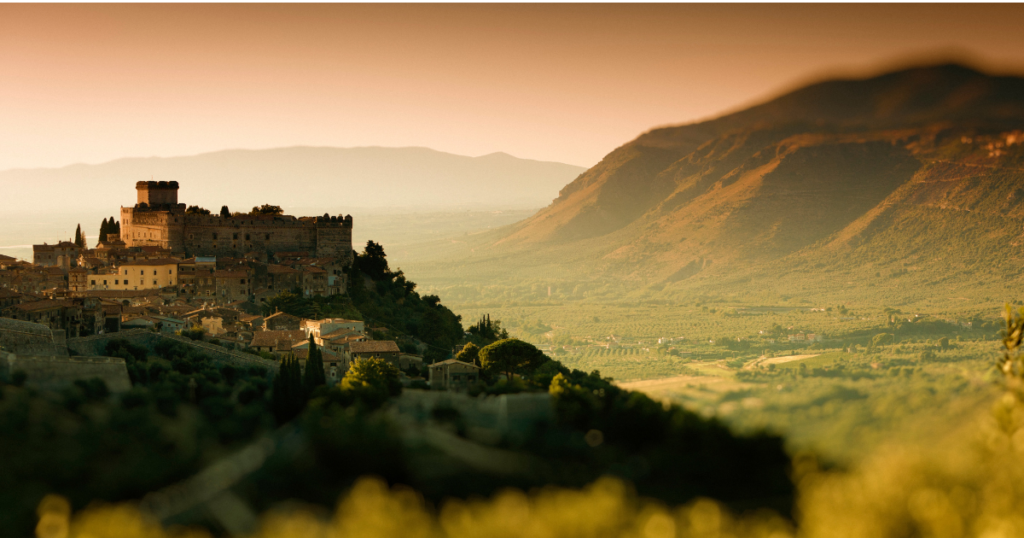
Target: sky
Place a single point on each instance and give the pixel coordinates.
(569, 83)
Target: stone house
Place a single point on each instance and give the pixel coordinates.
(231, 286)
(279, 343)
(138, 275)
(382, 349)
(58, 255)
(452, 374)
(280, 321)
(320, 328)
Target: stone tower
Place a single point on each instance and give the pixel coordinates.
(153, 193)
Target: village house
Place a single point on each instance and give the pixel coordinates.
(59, 255)
(452, 375)
(138, 275)
(322, 327)
(279, 343)
(381, 349)
(281, 321)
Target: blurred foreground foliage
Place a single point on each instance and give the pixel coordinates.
(967, 486)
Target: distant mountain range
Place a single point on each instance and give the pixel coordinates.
(916, 170)
(328, 179)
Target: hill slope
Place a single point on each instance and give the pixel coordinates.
(842, 170)
(332, 179)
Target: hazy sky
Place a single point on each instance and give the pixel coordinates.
(569, 83)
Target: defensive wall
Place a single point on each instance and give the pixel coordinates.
(27, 338)
(97, 344)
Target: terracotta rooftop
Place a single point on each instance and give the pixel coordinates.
(37, 306)
(271, 338)
(276, 315)
(374, 346)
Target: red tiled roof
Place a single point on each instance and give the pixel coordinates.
(271, 338)
(374, 346)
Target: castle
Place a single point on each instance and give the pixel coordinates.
(158, 220)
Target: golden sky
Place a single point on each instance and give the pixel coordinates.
(569, 83)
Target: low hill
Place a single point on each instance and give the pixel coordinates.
(909, 171)
(331, 179)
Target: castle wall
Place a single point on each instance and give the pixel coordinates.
(158, 220)
(143, 228)
(92, 345)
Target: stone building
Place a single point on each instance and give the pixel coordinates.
(452, 374)
(138, 275)
(158, 220)
(381, 349)
(59, 255)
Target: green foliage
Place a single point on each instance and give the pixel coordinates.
(314, 375)
(338, 306)
(79, 238)
(196, 210)
(390, 300)
(288, 397)
(104, 229)
(486, 332)
(225, 212)
(373, 379)
(511, 356)
(470, 353)
(267, 209)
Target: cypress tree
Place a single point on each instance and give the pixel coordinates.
(103, 230)
(117, 227)
(79, 240)
(288, 398)
(314, 375)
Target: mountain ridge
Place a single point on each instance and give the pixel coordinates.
(831, 170)
(370, 176)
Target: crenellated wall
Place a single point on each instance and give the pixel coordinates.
(166, 225)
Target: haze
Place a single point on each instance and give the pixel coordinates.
(566, 83)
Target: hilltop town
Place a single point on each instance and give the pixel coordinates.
(175, 270)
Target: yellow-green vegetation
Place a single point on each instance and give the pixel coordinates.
(964, 485)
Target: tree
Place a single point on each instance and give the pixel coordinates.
(117, 226)
(470, 353)
(373, 262)
(373, 373)
(103, 230)
(486, 332)
(314, 375)
(196, 210)
(511, 356)
(79, 240)
(224, 211)
(267, 209)
(288, 397)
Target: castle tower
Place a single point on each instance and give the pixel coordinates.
(153, 193)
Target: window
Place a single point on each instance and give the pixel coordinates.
(214, 236)
(142, 271)
(246, 237)
(117, 282)
(234, 236)
(126, 271)
(243, 281)
(104, 282)
(93, 282)
(268, 237)
(170, 271)
(154, 272)
(154, 282)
